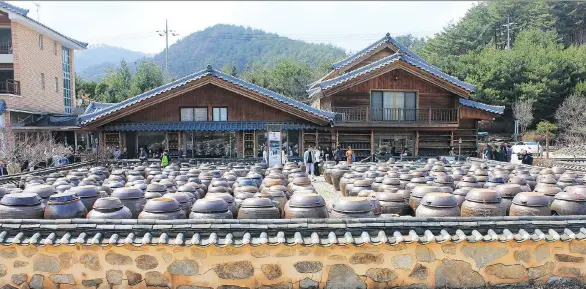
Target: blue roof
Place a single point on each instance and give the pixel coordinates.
(386, 39)
(85, 118)
(204, 126)
(486, 107)
(96, 106)
(388, 60)
(24, 13)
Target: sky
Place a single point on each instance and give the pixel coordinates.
(349, 25)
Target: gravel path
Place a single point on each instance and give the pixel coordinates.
(326, 190)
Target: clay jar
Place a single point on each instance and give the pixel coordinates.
(240, 196)
(189, 190)
(87, 194)
(132, 198)
(460, 195)
(415, 182)
(393, 203)
(258, 208)
(65, 206)
(358, 186)
(530, 204)
(306, 205)
(182, 198)
(548, 191)
(21, 206)
(389, 182)
(299, 183)
(328, 172)
(228, 199)
(508, 193)
(482, 203)
(210, 208)
(444, 181)
(256, 177)
(337, 173)
(44, 191)
(277, 197)
(569, 203)
(493, 182)
(377, 210)
(419, 192)
(273, 180)
(351, 207)
(438, 205)
(109, 208)
(468, 181)
(162, 209)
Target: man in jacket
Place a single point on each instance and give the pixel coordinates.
(526, 159)
(165, 159)
(309, 160)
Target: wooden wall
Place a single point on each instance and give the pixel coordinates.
(4, 20)
(239, 107)
(375, 57)
(429, 94)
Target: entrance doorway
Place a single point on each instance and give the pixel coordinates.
(131, 144)
(391, 145)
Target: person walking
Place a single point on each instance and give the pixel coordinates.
(165, 159)
(143, 155)
(350, 156)
(338, 154)
(308, 160)
(318, 159)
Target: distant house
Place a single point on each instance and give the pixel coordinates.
(384, 97)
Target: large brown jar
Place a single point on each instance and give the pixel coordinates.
(468, 182)
(162, 209)
(44, 191)
(336, 175)
(182, 198)
(418, 193)
(548, 191)
(65, 206)
(258, 208)
(351, 207)
(21, 206)
(328, 172)
(228, 199)
(418, 181)
(482, 203)
(240, 196)
(210, 208)
(530, 204)
(493, 182)
(569, 203)
(87, 194)
(393, 203)
(508, 193)
(132, 198)
(358, 186)
(306, 205)
(299, 183)
(109, 208)
(438, 205)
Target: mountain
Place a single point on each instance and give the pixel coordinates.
(91, 64)
(220, 45)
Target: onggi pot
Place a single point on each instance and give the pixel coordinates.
(109, 208)
(306, 205)
(210, 208)
(438, 205)
(482, 203)
(132, 198)
(530, 204)
(65, 206)
(21, 206)
(569, 203)
(351, 207)
(162, 209)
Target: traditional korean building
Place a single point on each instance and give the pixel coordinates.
(381, 100)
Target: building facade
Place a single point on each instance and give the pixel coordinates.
(381, 101)
(36, 69)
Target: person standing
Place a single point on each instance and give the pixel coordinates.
(338, 154)
(318, 158)
(309, 159)
(404, 154)
(350, 155)
(165, 159)
(526, 159)
(143, 155)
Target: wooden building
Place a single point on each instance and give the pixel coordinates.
(381, 100)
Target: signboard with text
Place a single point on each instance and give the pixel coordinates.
(274, 153)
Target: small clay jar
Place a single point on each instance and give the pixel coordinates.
(182, 198)
(162, 209)
(210, 208)
(87, 194)
(44, 191)
(482, 203)
(258, 208)
(351, 207)
(418, 193)
(508, 193)
(569, 203)
(393, 203)
(438, 205)
(109, 208)
(530, 204)
(132, 198)
(306, 205)
(21, 206)
(65, 206)
(358, 186)
(228, 199)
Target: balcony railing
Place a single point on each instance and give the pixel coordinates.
(9, 86)
(397, 115)
(5, 48)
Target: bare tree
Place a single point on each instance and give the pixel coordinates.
(571, 119)
(34, 147)
(523, 113)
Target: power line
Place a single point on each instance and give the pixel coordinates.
(166, 34)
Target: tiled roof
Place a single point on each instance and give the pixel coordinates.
(486, 107)
(386, 61)
(96, 106)
(386, 39)
(23, 12)
(198, 75)
(204, 126)
(306, 232)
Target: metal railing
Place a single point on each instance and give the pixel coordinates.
(397, 115)
(10, 86)
(6, 48)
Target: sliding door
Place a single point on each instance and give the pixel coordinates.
(393, 106)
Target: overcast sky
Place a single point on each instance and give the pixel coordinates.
(350, 25)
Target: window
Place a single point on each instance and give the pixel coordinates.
(56, 84)
(393, 105)
(42, 80)
(194, 114)
(41, 41)
(54, 47)
(67, 93)
(220, 113)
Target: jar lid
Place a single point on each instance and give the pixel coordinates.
(508, 190)
(86, 191)
(444, 180)
(180, 197)
(247, 189)
(462, 191)
(574, 196)
(162, 205)
(257, 203)
(420, 191)
(362, 183)
(243, 195)
(62, 198)
(579, 189)
(352, 205)
(154, 187)
(225, 196)
(418, 180)
(469, 179)
(210, 205)
(44, 191)
(21, 199)
(127, 193)
(531, 199)
(108, 203)
(483, 196)
(439, 200)
(389, 197)
(306, 200)
(548, 190)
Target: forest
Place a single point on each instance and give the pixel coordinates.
(539, 62)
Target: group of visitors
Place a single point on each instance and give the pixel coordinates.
(502, 153)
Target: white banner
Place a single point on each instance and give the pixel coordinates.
(274, 148)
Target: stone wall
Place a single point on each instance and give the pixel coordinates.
(429, 265)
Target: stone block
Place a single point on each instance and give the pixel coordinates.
(44, 263)
(366, 258)
(62, 279)
(183, 267)
(483, 255)
(90, 261)
(114, 258)
(146, 262)
(381, 274)
(234, 270)
(458, 274)
(271, 271)
(114, 277)
(133, 277)
(156, 279)
(343, 276)
(506, 271)
(402, 262)
(308, 266)
(18, 278)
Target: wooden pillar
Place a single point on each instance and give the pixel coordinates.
(416, 144)
(75, 140)
(371, 142)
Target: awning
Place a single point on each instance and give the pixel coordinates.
(205, 126)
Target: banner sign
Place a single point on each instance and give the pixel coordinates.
(274, 157)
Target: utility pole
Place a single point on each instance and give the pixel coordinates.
(508, 25)
(166, 34)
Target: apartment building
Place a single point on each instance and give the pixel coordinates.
(36, 69)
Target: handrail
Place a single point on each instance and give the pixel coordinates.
(397, 115)
(10, 86)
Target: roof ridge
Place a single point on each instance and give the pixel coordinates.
(14, 8)
(360, 70)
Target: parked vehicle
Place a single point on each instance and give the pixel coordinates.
(530, 146)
